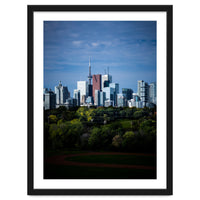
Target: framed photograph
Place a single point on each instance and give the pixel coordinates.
(100, 100)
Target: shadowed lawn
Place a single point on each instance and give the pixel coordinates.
(76, 172)
(61, 171)
(116, 159)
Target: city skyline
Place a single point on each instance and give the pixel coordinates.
(127, 48)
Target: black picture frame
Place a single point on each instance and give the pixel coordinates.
(169, 53)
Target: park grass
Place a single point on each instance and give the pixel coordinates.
(116, 159)
(80, 172)
(64, 152)
(52, 171)
(125, 123)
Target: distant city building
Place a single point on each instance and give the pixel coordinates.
(77, 96)
(150, 105)
(89, 100)
(109, 103)
(45, 90)
(131, 103)
(115, 86)
(62, 94)
(152, 93)
(102, 98)
(136, 97)
(83, 99)
(109, 93)
(143, 92)
(49, 100)
(96, 79)
(121, 100)
(127, 92)
(70, 102)
(83, 87)
(139, 104)
(97, 98)
(106, 80)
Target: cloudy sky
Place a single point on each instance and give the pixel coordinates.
(128, 48)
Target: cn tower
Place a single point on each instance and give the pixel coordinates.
(90, 76)
(89, 80)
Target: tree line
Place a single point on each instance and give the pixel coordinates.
(116, 129)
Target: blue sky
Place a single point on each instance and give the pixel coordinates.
(128, 48)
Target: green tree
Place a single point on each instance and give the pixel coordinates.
(52, 119)
(117, 141)
(122, 113)
(138, 114)
(94, 140)
(129, 140)
(54, 136)
(148, 127)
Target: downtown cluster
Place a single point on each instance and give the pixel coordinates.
(98, 91)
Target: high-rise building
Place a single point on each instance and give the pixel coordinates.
(143, 92)
(109, 103)
(89, 100)
(109, 93)
(70, 102)
(49, 100)
(106, 80)
(83, 87)
(97, 98)
(96, 78)
(62, 93)
(136, 97)
(152, 93)
(127, 92)
(77, 96)
(102, 98)
(121, 100)
(45, 90)
(89, 81)
(115, 86)
(83, 99)
(131, 103)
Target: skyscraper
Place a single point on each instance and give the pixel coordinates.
(102, 98)
(109, 93)
(136, 97)
(152, 93)
(49, 100)
(121, 100)
(62, 93)
(97, 98)
(143, 92)
(115, 86)
(106, 80)
(96, 79)
(127, 92)
(83, 87)
(109, 103)
(77, 96)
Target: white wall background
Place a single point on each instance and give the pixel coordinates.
(13, 101)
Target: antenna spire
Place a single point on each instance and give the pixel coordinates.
(89, 76)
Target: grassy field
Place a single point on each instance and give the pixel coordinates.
(116, 159)
(52, 171)
(76, 172)
(126, 124)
